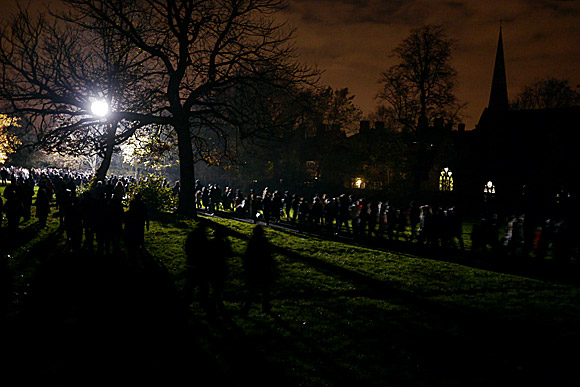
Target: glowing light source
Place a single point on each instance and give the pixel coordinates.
(358, 183)
(489, 188)
(100, 108)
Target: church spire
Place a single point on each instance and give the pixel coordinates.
(498, 99)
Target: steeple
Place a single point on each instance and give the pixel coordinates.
(498, 99)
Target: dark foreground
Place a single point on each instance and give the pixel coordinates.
(86, 319)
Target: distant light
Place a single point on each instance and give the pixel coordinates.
(489, 188)
(358, 183)
(100, 108)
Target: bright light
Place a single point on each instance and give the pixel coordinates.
(100, 108)
(358, 183)
(489, 188)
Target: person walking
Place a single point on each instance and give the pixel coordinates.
(42, 204)
(136, 220)
(259, 270)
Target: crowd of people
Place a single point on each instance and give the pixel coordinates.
(86, 215)
(95, 213)
(358, 217)
(100, 213)
(527, 235)
(345, 214)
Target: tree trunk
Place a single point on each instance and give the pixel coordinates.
(110, 146)
(186, 204)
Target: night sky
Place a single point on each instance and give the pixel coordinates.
(351, 40)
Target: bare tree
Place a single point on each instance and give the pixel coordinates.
(192, 55)
(335, 108)
(53, 71)
(421, 86)
(545, 94)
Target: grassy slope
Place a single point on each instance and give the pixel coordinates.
(343, 315)
(350, 314)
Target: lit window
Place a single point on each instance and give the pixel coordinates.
(357, 182)
(446, 180)
(489, 188)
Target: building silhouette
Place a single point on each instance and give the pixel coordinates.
(529, 154)
(514, 160)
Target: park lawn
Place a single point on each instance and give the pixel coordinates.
(342, 314)
(345, 314)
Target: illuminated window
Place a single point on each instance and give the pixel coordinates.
(489, 188)
(446, 180)
(358, 182)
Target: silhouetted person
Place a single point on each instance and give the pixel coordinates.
(256, 202)
(363, 217)
(73, 222)
(60, 195)
(26, 192)
(330, 214)
(544, 238)
(267, 206)
(343, 213)
(295, 202)
(258, 269)
(90, 214)
(276, 206)
(215, 196)
(116, 212)
(13, 206)
(316, 211)
(373, 217)
(220, 250)
(303, 211)
(4, 176)
(42, 205)
(205, 198)
(197, 270)
(136, 220)
(119, 191)
(414, 220)
(287, 203)
(102, 222)
(455, 226)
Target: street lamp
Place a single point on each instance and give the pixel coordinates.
(100, 108)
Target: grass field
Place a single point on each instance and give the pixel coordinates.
(342, 314)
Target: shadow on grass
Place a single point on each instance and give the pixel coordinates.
(90, 319)
(493, 260)
(420, 342)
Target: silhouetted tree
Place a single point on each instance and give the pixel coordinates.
(334, 108)
(421, 86)
(545, 94)
(195, 53)
(53, 71)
